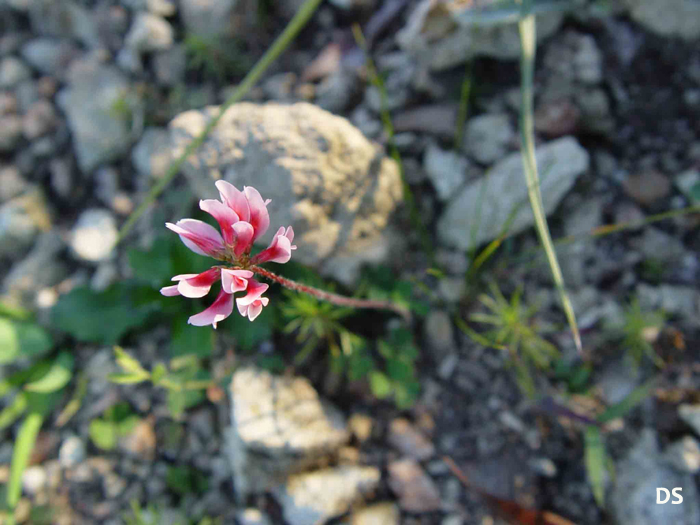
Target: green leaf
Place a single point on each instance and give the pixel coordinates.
(399, 370)
(13, 411)
(103, 434)
(184, 480)
(100, 317)
(22, 339)
(14, 312)
(595, 459)
(127, 379)
(176, 403)
(127, 425)
(154, 266)
(128, 363)
(380, 384)
(635, 397)
(249, 335)
(694, 193)
(159, 372)
(191, 340)
(24, 443)
(56, 377)
(406, 394)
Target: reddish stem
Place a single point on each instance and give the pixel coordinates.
(340, 300)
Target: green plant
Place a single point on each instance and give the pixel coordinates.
(116, 422)
(514, 330)
(219, 59)
(154, 515)
(637, 332)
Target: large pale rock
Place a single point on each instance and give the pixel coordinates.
(674, 18)
(444, 33)
(93, 103)
(324, 177)
(315, 497)
(490, 200)
(279, 426)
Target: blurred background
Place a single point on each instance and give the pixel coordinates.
(390, 135)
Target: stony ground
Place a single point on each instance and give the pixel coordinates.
(98, 97)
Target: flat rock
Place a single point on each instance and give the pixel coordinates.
(279, 426)
(151, 155)
(94, 235)
(445, 169)
(92, 102)
(488, 136)
(315, 497)
(560, 163)
(324, 177)
(673, 18)
(415, 490)
(12, 72)
(377, 514)
(647, 187)
(149, 32)
(405, 438)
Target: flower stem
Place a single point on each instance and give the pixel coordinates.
(340, 300)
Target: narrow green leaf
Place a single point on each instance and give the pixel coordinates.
(13, 411)
(127, 379)
(57, 376)
(595, 459)
(24, 443)
(128, 363)
(22, 339)
(635, 397)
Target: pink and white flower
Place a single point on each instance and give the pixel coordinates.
(242, 217)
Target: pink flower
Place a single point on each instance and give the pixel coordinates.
(280, 249)
(252, 304)
(242, 217)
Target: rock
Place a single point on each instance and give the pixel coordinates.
(336, 92)
(445, 34)
(414, 488)
(377, 514)
(436, 119)
(252, 516)
(405, 438)
(149, 32)
(92, 102)
(438, 332)
(162, 7)
(691, 415)
(315, 497)
(689, 184)
(72, 452)
(633, 499)
(140, 442)
(129, 60)
(40, 269)
(556, 118)
(658, 245)
(39, 119)
(673, 18)
(647, 187)
(11, 183)
(34, 479)
(487, 137)
(560, 162)
(445, 169)
(595, 110)
(94, 235)
(208, 19)
(170, 65)
(12, 72)
(279, 426)
(8, 103)
(684, 455)
(49, 56)
(21, 221)
(64, 19)
(151, 156)
(574, 59)
(336, 188)
(361, 427)
(10, 132)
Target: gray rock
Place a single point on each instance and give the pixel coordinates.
(64, 19)
(660, 246)
(12, 72)
(378, 514)
(72, 452)
(40, 119)
(336, 91)
(208, 19)
(315, 497)
(49, 56)
(575, 58)
(560, 163)
(408, 440)
(149, 32)
(633, 499)
(10, 132)
(152, 156)
(279, 426)
(487, 137)
(107, 184)
(252, 516)
(691, 415)
(674, 18)
(170, 65)
(688, 182)
(336, 188)
(129, 60)
(445, 169)
(439, 333)
(21, 221)
(414, 488)
(93, 103)
(8, 103)
(11, 183)
(94, 235)
(443, 35)
(684, 455)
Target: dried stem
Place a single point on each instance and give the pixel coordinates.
(340, 300)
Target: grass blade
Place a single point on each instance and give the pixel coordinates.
(24, 443)
(594, 452)
(526, 26)
(293, 28)
(635, 397)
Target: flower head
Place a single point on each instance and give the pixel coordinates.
(242, 217)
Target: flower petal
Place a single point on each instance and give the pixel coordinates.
(244, 237)
(254, 310)
(169, 291)
(220, 309)
(280, 249)
(199, 285)
(224, 215)
(199, 237)
(259, 217)
(234, 199)
(233, 281)
(255, 290)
